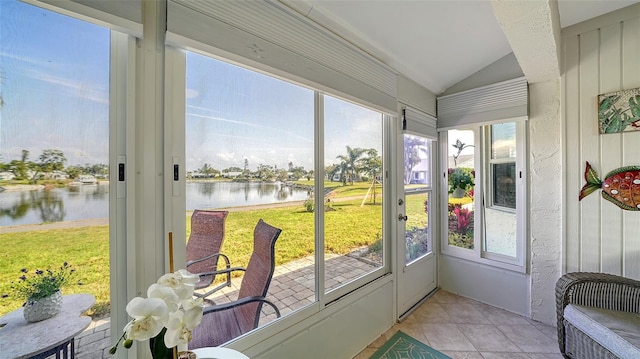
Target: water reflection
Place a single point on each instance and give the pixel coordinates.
(47, 205)
(207, 194)
(54, 204)
(92, 201)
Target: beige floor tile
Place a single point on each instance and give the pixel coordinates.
(492, 355)
(546, 356)
(529, 339)
(466, 329)
(443, 296)
(464, 313)
(488, 338)
(432, 312)
(500, 316)
(413, 329)
(446, 337)
(462, 355)
(547, 330)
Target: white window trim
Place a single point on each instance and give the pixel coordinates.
(518, 263)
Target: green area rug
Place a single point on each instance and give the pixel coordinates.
(402, 346)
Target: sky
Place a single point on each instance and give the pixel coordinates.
(54, 85)
(55, 89)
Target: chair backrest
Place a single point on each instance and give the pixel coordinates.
(257, 277)
(207, 235)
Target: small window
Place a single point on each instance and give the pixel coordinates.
(485, 189)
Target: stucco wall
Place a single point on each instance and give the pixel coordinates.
(545, 197)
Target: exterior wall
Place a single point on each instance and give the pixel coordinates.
(599, 56)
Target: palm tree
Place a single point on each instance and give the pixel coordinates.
(412, 148)
(331, 171)
(372, 165)
(349, 163)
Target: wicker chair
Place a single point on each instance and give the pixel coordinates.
(223, 322)
(598, 290)
(203, 249)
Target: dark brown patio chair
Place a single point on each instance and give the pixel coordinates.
(221, 323)
(203, 249)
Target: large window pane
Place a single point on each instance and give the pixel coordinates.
(353, 200)
(250, 151)
(461, 181)
(54, 136)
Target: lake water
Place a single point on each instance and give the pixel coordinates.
(92, 201)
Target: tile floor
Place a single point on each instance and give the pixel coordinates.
(465, 329)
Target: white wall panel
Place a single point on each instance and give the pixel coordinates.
(599, 56)
(491, 285)
(631, 144)
(573, 175)
(610, 156)
(589, 150)
(347, 327)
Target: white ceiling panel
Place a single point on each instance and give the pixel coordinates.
(437, 43)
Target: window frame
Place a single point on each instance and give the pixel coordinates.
(324, 297)
(482, 163)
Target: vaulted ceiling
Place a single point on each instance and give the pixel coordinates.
(438, 43)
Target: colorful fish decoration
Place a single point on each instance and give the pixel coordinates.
(620, 187)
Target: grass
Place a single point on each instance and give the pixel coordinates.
(347, 226)
(85, 248)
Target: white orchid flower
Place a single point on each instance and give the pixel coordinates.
(177, 330)
(149, 316)
(182, 282)
(192, 309)
(170, 304)
(166, 293)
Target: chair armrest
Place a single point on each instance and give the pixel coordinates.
(239, 302)
(601, 290)
(226, 260)
(224, 271)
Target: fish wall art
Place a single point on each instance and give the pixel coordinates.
(620, 186)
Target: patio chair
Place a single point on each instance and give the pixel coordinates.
(203, 249)
(223, 322)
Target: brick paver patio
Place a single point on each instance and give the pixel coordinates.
(292, 287)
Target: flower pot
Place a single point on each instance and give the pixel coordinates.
(43, 308)
(458, 193)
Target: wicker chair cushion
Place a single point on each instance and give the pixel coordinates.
(617, 331)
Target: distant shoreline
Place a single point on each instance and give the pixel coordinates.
(21, 187)
(37, 187)
(105, 221)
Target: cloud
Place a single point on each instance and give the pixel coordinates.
(226, 156)
(191, 93)
(24, 59)
(42, 71)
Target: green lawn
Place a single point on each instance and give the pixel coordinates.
(347, 225)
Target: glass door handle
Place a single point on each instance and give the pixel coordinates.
(402, 217)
